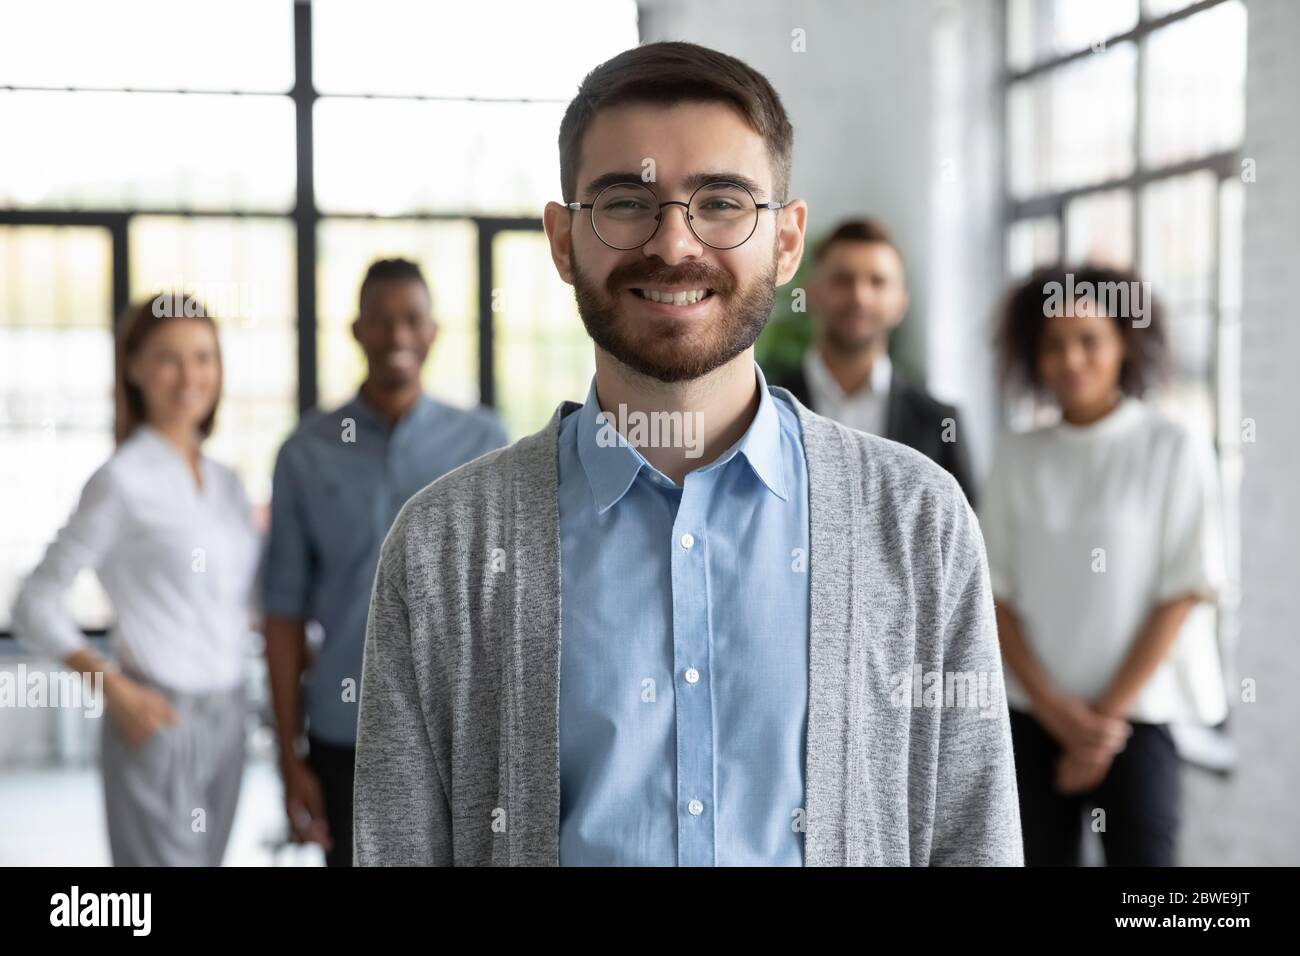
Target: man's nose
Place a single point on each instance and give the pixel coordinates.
(673, 241)
(398, 335)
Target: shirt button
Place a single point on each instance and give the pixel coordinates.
(688, 541)
(695, 807)
(692, 675)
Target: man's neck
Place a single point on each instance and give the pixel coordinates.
(853, 368)
(390, 404)
(715, 409)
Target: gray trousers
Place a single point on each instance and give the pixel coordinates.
(171, 801)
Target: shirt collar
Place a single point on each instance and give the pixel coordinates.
(820, 377)
(151, 437)
(611, 465)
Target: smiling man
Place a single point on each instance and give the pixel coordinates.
(340, 480)
(638, 653)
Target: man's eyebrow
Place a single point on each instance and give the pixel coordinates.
(696, 180)
(690, 183)
(611, 179)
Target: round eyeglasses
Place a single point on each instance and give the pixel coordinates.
(722, 215)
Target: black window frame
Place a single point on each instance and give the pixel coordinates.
(305, 215)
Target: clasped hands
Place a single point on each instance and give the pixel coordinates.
(1089, 738)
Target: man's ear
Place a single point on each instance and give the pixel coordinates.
(791, 223)
(558, 223)
(356, 329)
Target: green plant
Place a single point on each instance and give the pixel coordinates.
(788, 334)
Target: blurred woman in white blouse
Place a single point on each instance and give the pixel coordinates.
(169, 533)
(1104, 558)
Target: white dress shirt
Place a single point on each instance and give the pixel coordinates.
(1088, 529)
(178, 564)
(865, 409)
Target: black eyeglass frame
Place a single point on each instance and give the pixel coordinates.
(659, 216)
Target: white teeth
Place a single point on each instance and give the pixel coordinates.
(675, 298)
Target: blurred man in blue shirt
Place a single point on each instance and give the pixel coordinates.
(340, 480)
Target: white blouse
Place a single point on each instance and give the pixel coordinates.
(1088, 529)
(178, 564)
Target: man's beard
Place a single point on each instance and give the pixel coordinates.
(685, 351)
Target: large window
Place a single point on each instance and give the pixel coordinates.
(1125, 121)
(263, 153)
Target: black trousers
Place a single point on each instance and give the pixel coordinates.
(334, 766)
(1139, 799)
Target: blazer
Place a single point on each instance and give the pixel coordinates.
(912, 417)
(458, 738)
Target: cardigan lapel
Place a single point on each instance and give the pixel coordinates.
(531, 653)
(833, 758)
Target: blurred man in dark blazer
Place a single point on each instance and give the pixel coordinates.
(858, 295)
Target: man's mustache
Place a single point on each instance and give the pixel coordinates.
(699, 275)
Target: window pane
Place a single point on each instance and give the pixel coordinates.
(244, 45)
(243, 271)
(1178, 257)
(1040, 29)
(1159, 8)
(1074, 125)
(147, 150)
(1032, 243)
(400, 48)
(447, 253)
(393, 157)
(1231, 213)
(56, 395)
(1232, 208)
(1194, 81)
(1099, 229)
(543, 353)
(1077, 26)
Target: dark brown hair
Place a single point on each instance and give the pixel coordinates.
(390, 270)
(1024, 313)
(134, 327)
(856, 230)
(675, 72)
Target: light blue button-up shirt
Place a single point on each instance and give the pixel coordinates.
(684, 649)
(340, 480)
